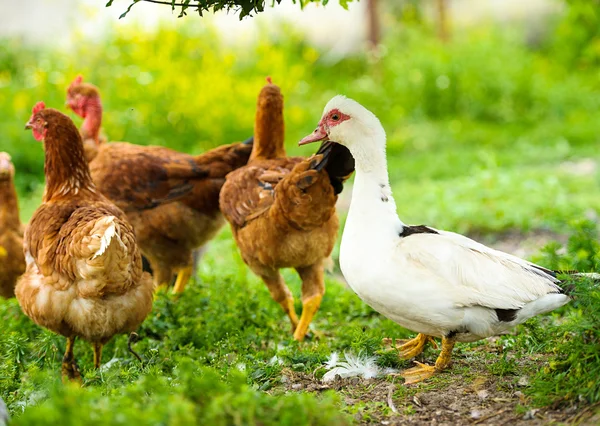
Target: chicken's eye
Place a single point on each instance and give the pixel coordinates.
(335, 117)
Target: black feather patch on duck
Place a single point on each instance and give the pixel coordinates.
(338, 163)
(408, 230)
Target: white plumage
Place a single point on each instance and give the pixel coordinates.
(433, 282)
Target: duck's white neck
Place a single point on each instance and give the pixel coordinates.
(372, 206)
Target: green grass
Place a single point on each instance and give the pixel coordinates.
(479, 134)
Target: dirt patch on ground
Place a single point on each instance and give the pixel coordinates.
(467, 394)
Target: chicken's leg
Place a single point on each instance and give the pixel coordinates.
(280, 293)
(69, 369)
(183, 277)
(163, 275)
(313, 289)
(97, 354)
(422, 371)
(411, 348)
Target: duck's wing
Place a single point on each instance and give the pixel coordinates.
(476, 275)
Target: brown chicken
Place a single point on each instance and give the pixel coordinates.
(84, 273)
(282, 209)
(12, 260)
(84, 100)
(145, 180)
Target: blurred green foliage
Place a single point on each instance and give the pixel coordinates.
(577, 41)
(194, 395)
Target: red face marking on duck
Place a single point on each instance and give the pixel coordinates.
(331, 119)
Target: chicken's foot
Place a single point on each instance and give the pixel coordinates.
(183, 277)
(70, 370)
(310, 307)
(422, 371)
(313, 289)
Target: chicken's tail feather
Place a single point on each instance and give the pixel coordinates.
(226, 158)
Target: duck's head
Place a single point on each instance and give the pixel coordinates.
(346, 122)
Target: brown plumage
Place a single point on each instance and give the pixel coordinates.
(12, 260)
(171, 198)
(282, 210)
(84, 273)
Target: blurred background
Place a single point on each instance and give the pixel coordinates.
(491, 107)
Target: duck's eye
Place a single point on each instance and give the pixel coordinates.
(335, 117)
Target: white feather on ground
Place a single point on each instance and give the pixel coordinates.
(354, 366)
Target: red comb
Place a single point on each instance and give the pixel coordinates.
(38, 107)
(269, 80)
(78, 80)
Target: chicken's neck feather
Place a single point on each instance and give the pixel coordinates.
(66, 169)
(90, 129)
(269, 130)
(9, 205)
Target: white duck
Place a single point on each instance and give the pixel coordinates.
(437, 283)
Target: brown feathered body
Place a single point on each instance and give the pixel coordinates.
(170, 198)
(276, 223)
(282, 212)
(12, 260)
(84, 273)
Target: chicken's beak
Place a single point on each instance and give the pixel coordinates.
(28, 125)
(318, 135)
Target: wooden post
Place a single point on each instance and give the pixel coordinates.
(373, 24)
(442, 11)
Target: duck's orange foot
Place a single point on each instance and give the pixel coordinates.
(409, 348)
(418, 374)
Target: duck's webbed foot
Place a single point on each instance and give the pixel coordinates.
(422, 371)
(410, 348)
